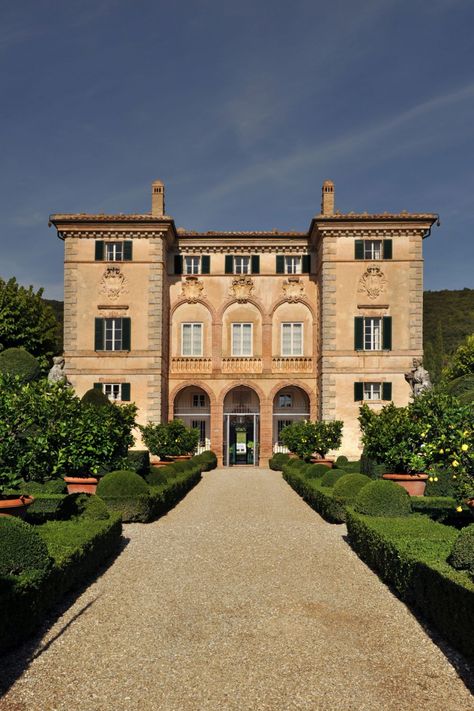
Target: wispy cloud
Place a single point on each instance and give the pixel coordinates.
(344, 146)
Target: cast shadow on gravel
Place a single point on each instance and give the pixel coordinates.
(463, 668)
(18, 659)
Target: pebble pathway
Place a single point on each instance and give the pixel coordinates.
(241, 598)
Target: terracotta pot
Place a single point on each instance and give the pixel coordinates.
(81, 485)
(415, 484)
(470, 503)
(159, 463)
(181, 457)
(329, 463)
(15, 506)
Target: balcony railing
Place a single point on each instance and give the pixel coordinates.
(241, 365)
(183, 364)
(292, 364)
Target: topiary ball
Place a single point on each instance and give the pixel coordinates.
(331, 476)
(383, 498)
(21, 548)
(95, 397)
(94, 508)
(348, 486)
(17, 361)
(462, 554)
(315, 471)
(122, 483)
(341, 460)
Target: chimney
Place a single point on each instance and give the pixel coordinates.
(157, 198)
(327, 199)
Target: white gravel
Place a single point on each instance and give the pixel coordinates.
(241, 598)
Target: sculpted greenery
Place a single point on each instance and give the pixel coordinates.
(46, 432)
(306, 438)
(170, 439)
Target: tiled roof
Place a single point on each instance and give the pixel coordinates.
(379, 216)
(238, 233)
(101, 217)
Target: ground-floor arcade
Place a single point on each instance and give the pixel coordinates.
(242, 421)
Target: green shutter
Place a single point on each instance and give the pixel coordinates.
(126, 335)
(280, 264)
(178, 264)
(205, 264)
(255, 262)
(359, 333)
(99, 334)
(387, 248)
(306, 264)
(359, 249)
(387, 333)
(99, 250)
(125, 392)
(127, 250)
(358, 391)
(229, 264)
(386, 391)
(98, 386)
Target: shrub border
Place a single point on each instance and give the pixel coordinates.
(25, 600)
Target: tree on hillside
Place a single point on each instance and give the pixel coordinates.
(435, 355)
(462, 360)
(26, 321)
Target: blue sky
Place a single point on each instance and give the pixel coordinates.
(242, 109)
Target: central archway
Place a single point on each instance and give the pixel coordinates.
(241, 427)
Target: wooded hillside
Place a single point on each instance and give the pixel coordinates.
(453, 311)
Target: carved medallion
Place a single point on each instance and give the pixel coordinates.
(241, 288)
(191, 289)
(293, 289)
(113, 283)
(372, 281)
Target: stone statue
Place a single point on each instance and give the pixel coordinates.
(418, 378)
(57, 373)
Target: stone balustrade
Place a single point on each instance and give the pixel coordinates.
(242, 365)
(292, 364)
(184, 364)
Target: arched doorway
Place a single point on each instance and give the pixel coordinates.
(241, 426)
(192, 406)
(289, 405)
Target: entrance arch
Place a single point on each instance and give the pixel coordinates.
(290, 404)
(241, 426)
(192, 405)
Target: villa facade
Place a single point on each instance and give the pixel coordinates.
(241, 333)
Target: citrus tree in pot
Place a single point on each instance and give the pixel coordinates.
(170, 440)
(305, 439)
(393, 436)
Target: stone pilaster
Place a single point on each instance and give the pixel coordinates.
(157, 330)
(70, 294)
(416, 293)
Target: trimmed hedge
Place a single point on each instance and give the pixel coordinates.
(46, 507)
(347, 487)
(19, 362)
(462, 554)
(318, 497)
(122, 483)
(331, 476)
(78, 548)
(22, 550)
(278, 461)
(383, 498)
(167, 486)
(410, 554)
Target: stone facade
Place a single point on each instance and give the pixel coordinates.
(265, 328)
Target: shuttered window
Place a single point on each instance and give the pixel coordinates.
(112, 334)
(372, 391)
(192, 265)
(373, 249)
(372, 333)
(241, 339)
(191, 339)
(292, 339)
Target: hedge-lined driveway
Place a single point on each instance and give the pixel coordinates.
(240, 598)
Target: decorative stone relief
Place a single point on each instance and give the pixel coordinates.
(191, 289)
(113, 283)
(372, 281)
(241, 288)
(293, 289)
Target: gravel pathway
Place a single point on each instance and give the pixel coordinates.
(241, 598)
